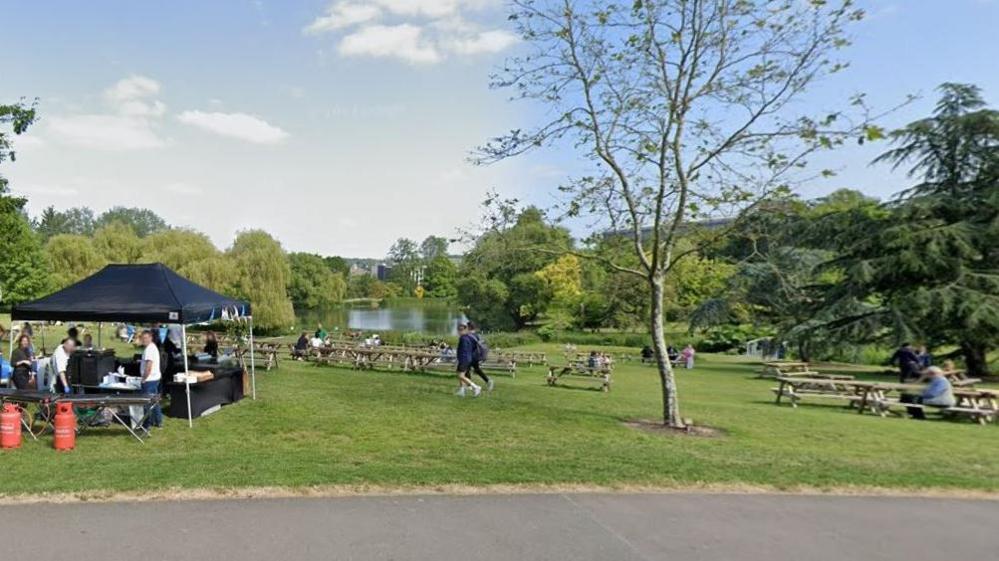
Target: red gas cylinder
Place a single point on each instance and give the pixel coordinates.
(65, 427)
(10, 426)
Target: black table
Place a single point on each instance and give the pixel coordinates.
(226, 387)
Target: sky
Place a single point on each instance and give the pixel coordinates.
(341, 126)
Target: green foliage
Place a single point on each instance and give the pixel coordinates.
(117, 243)
(24, 271)
(218, 273)
(143, 221)
(262, 274)
(441, 277)
(177, 247)
(313, 284)
(337, 265)
(433, 247)
(72, 258)
(726, 338)
(485, 301)
(927, 268)
(502, 265)
(404, 257)
(18, 116)
(367, 286)
(78, 221)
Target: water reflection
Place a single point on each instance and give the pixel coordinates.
(429, 317)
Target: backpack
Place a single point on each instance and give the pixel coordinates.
(481, 350)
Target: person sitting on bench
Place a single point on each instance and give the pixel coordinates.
(301, 346)
(938, 392)
(647, 354)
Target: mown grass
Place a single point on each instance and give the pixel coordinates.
(325, 426)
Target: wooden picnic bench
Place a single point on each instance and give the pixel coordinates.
(775, 369)
(981, 406)
(583, 371)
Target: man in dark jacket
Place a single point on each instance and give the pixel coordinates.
(908, 363)
(466, 356)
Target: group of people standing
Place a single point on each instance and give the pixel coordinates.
(31, 372)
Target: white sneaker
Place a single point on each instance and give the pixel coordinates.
(491, 385)
(476, 390)
(460, 392)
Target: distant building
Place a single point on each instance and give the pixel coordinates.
(381, 271)
(356, 270)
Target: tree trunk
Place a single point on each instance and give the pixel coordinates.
(975, 359)
(671, 407)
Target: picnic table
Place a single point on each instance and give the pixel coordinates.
(775, 369)
(879, 397)
(581, 370)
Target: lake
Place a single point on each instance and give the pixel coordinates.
(428, 316)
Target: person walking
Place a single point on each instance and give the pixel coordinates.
(479, 355)
(466, 355)
(149, 369)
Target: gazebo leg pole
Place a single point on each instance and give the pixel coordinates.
(187, 385)
(100, 334)
(253, 368)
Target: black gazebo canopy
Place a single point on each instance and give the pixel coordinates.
(139, 293)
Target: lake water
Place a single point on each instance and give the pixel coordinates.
(439, 318)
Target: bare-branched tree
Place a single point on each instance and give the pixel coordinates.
(684, 109)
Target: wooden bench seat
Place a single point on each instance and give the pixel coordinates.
(982, 416)
(595, 374)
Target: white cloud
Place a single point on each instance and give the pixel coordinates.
(47, 190)
(133, 87)
(27, 141)
(343, 14)
(184, 188)
(415, 31)
(430, 8)
(130, 124)
(399, 41)
(235, 125)
(492, 41)
(105, 132)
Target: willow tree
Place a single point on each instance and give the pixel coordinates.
(684, 109)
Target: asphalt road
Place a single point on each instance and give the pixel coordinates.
(675, 527)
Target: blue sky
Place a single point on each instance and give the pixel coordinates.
(340, 126)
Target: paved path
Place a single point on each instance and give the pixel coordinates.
(676, 527)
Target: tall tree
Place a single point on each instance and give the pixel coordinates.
(683, 106)
(143, 221)
(433, 247)
(312, 284)
(407, 267)
(337, 264)
(77, 221)
(24, 271)
(117, 243)
(177, 247)
(498, 265)
(441, 278)
(262, 273)
(929, 268)
(72, 258)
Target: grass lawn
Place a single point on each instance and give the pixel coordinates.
(326, 426)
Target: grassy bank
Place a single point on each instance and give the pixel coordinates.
(325, 426)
